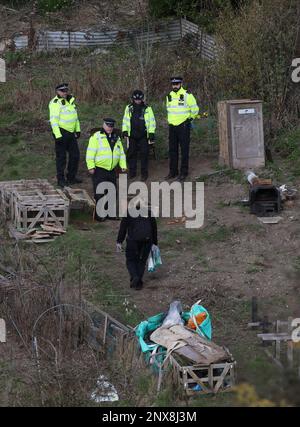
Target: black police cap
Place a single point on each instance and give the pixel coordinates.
(176, 80)
(62, 86)
(138, 94)
(109, 122)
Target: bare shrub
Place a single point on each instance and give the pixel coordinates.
(52, 329)
(258, 46)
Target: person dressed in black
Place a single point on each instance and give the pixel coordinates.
(141, 234)
(139, 129)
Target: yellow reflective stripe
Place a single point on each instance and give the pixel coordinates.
(102, 157)
(68, 121)
(175, 107)
(68, 112)
(179, 113)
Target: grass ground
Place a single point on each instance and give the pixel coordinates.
(226, 263)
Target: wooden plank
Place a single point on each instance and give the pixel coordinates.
(275, 337)
(290, 346)
(277, 342)
(223, 376)
(2, 331)
(198, 381)
(105, 329)
(276, 361)
(41, 240)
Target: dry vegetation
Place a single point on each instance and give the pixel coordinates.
(228, 262)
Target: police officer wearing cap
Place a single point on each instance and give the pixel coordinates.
(104, 154)
(182, 109)
(66, 131)
(139, 129)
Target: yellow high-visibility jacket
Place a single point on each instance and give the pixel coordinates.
(63, 114)
(149, 120)
(100, 155)
(181, 106)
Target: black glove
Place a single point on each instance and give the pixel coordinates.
(151, 137)
(189, 123)
(125, 134)
(77, 135)
(59, 139)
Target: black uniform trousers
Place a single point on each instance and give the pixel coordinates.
(138, 145)
(102, 175)
(179, 136)
(68, 144)
(136, 257)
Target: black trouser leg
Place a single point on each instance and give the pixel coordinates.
(144, 150)
(61, 158)
(144, 251)
(132, 154)
(102, 175)
(184, 140)
(173, 150)
(73, 157)
(132, 259)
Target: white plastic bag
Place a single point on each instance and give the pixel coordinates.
(174, 315)
(151, 267)
(154, 259)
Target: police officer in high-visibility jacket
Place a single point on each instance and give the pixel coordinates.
(139, 129)
(104, 153)
(182, 109)
(66, 131)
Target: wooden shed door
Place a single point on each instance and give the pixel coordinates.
(246, 127)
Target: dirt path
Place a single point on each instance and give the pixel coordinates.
(233, 256)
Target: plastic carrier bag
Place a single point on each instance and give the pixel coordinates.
(205, 328)
(154, 259)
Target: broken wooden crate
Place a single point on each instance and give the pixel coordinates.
(202, 367)
(32, 208)
(79, 198)
(197, 380)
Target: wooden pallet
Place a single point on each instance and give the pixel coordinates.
(79, 198)
(200, 380)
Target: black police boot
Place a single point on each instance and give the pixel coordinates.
(61, 183)
(139, 286)
(134, 283)
(75, 181)
(182, 178)
(171, 176)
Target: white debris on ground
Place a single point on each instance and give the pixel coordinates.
(105, 391)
